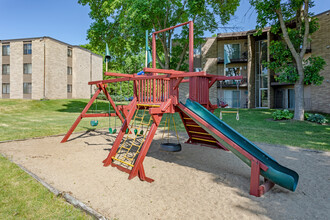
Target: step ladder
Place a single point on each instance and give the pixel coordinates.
(197, 135)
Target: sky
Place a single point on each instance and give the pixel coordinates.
(68, 21)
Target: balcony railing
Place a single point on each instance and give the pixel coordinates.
(233, 83)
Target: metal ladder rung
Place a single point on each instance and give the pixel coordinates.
(202, 139)
(187, 118)
(128, 164)
(139, 117)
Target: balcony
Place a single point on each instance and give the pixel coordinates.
(232, 83)
(242, 59)
(239, 60)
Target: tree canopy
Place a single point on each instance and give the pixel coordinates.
(294, 23)
(122, 24)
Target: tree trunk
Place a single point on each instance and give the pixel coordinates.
(299, 108)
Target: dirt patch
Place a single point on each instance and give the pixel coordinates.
(196, 183)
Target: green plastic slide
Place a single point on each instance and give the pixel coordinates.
(276, 173)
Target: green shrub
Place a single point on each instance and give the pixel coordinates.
(317, 118)
(282, 114)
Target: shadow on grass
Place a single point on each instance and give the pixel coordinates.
(76, 106)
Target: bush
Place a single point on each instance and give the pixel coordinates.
(317, 118)
(282, 114)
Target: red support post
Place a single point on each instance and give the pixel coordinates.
(153, 50)
(254, 179)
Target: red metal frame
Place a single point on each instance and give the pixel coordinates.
(101, 87)
(160, 87)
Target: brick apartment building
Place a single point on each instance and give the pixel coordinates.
(259, 88)
(36, 68)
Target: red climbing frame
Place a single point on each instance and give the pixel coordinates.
(158, 90)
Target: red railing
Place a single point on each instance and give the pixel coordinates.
(152, 90)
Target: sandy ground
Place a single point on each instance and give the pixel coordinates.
(196, 183)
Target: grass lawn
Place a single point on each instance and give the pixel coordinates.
(22, 197)
(21, 119)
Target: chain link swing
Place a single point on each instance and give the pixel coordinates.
(171, 147)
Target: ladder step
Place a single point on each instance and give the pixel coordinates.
(189, 125)
(202, 139)
(196, 132)
(148, 105)
(187, 118)
(121, 161)
(136, 145)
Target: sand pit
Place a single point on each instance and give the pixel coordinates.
(196, 183)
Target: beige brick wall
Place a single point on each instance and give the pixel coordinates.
(16, 70)
(183, 92)
(320, 95)
(210, 55)
(97, 67)
(81, 73)
(56, 70)
(37, 69)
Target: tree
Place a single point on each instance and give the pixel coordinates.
(123, 24)
(293, 22)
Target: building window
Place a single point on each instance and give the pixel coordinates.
(27, 88)
(27, 48)
(6, 50)
(233, 51)
(69, 70)
(27, 68)
(5, 69)
(69, 88)
(5, 88)
(69, 52)
(197, 50)
(291, 98)
(232, 98)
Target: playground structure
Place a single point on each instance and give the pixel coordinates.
(157, 93)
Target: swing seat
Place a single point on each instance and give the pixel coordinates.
(114, 131)
(94, 123)
(170, 147)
